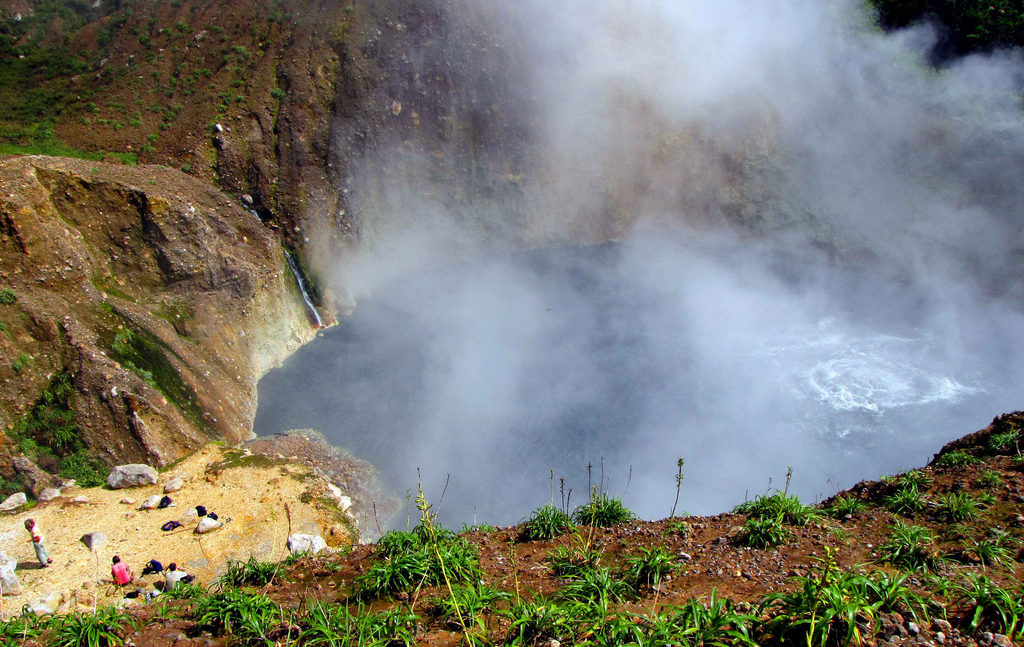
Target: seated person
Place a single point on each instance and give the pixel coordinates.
(153, 567)
(172, 576)
(121, 572)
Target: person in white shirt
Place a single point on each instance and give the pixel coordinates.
(172, 576)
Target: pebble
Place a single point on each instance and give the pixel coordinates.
(939, 637)
(127, 501)
(81, 498)
(913, 628)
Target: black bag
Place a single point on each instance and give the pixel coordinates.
(170, 525)
(164, 502)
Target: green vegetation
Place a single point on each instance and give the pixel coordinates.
(145, 354)
(955, 459)
(404, 561)
(649, 567)
(602, 511)
(249, 573)
(908, 546)
(546, 522)
(1004, 441)
(907, 500)
(787, 508)
(48, 430)
(248, 616)
(957, 506)
(572, 561)
(971, 25)
(846, 506)
(8, 296)
(105, 628)
(990, 606)
(335, 625)
(764, 532)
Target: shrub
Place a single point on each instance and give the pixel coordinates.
(768, 506)
(243, 614)
(907, 500)
(908, 546)
(469, 604)
(989, 478)
(249, 573)
(569, 561)
(406, 560)
(955, 459)
(105, 628)
(647, 568)
(957, 506)
(829, 606)
(330, 625)
(546, 522)
(602, 511)
(764, 532)
(8, 296)
(598, 586)
(988, 605)
(1003, 441)
(846, 506)
(698, 623)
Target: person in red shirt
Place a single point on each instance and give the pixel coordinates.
(122, 572)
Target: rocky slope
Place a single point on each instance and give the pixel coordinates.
(940, 588)
(140, 308)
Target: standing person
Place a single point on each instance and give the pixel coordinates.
(121, 572)
(37, 542)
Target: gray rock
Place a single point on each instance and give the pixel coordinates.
(939, 638)
(13, 502)
(300, 543)
(132, 475)
(35, 479)
(8, 578)
(173, 485)
(128, 501)
(151, 503)
(93, 540)
(206, 525)
(46, 604)
(81, 498)
(49, 494)
(1001, 640)
(913, 628)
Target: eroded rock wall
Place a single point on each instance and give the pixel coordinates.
(158, 296)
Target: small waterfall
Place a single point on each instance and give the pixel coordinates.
(300, 279)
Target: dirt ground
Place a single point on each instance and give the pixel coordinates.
(266, 499)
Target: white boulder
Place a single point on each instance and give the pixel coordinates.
(312, 544)
(151, 503)
(8, 578)
(132, 475)
(49, 494)
(173, 485)
(13, 502)
(206, 525)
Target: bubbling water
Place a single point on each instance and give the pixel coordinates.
(507, 372)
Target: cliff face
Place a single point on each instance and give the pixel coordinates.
(140, 307)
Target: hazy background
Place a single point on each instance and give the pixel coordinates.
(818, 264)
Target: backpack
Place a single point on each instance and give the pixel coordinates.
(170, 525)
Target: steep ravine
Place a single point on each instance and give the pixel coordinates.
(157, 298)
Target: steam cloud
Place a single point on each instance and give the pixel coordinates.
(818, 266)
